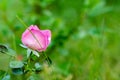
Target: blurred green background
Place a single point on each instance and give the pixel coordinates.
(85, 35)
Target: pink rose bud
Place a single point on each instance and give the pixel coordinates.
(36, 39)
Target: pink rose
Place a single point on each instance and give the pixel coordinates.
(36, 39)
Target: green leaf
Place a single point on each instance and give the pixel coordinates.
(16, 64)
(31, 78)
(2, 73)
(17, 71)
(36, 53)
(28, 52)
(17, 67)
(11, 52)
(38, 66)
(7, 77)
(23, 46)
(49, 61)
(3, 49)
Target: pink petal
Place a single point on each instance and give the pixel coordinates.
(32, 27)
(32, 43)
(43, 38)
(47, 34)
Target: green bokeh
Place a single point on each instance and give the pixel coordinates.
(85, 35)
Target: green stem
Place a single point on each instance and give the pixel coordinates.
(46, 57)
(32, 35)
(14, 43)
(21, 21)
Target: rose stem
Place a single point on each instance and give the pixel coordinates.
(32, 34)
